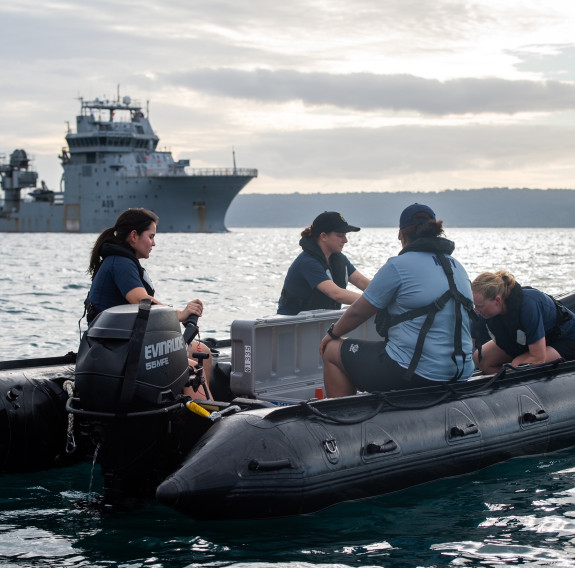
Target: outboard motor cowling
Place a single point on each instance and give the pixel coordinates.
(131, 358)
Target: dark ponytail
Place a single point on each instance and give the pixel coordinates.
(136, 219)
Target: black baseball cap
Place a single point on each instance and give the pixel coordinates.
(329, 221)
(416, 214)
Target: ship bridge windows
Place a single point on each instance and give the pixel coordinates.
(109, 141)
(80, 142)
(115, 141)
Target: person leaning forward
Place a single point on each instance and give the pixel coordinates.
(318, 277)
(425, 295)
(524, 325)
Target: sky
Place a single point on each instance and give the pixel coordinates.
(319, 96)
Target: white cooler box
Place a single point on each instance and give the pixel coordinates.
(277, 358)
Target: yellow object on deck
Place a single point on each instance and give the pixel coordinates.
(197, 409)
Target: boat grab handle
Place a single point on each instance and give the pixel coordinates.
(257, 465)
(457, 432)
(539, 416)
(373, 448)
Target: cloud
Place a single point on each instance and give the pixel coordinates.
(307, 91)
(369, 92)
(398, 151)
(557, 61)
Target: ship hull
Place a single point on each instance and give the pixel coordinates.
(184, 204)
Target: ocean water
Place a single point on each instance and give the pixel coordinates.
(521, 513)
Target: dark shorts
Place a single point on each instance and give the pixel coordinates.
(370, 368)
(565, 346)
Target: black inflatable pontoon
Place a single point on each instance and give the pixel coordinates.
(243, 456)
(302, 458)
(33, 417)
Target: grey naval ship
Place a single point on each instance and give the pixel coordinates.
(112, 162)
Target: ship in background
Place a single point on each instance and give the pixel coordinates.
(112, 163)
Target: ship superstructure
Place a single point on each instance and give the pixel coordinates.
(112, 162)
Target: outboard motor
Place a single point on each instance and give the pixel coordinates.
(131, 358)
(131, 368)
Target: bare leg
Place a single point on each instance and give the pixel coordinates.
(492, 358)
(335, 378)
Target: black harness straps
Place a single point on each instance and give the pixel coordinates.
(384, 320)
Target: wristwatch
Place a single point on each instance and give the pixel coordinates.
(331, 333)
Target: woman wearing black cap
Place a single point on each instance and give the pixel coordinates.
(424, 301)
(318, 277)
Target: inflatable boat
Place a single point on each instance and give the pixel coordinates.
(269, 445)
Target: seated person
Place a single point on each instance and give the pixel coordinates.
(119, 278)
(525, 324)
(425, 295)
(318, 277)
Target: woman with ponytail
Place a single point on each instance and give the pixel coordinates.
(119, 278)
(318, 277)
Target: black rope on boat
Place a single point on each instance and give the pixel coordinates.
(452, 390)
(120, 415)
(390, 398)
(456, 389)
(67, 359)
(313, 410)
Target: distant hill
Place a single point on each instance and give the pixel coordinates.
(490, 207)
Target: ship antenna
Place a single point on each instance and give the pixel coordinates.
(234, 157)
(118, 91)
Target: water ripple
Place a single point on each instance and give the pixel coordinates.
(515, 514)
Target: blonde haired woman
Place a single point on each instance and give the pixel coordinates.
(525, 324)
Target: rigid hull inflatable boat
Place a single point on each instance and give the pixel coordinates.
(299, 459)
(267, 446)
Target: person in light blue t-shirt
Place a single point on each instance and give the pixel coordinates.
(424, 302)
